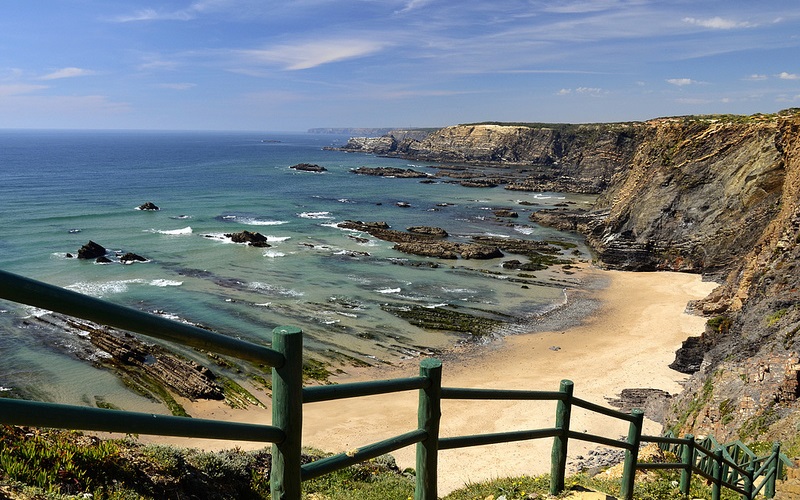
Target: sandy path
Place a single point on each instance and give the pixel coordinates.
(627, 343)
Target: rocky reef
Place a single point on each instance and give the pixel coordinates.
(716, 195)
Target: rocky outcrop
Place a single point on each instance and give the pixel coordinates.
(148, 206)
(405, 173)
(91, 250)
(130, 258)
(250, 238)
(573, 158)
(309, 167)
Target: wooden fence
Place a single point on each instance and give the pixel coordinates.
(726, 466)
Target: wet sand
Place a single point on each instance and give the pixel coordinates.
(627, 341)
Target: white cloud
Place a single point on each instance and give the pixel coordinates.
(19, 88)
(311, 54)
(593, 91)
(756, 78)
(717, 23)
(186, 14)
(67, 73)
(788, 76)
(413, 4)
(680, 82)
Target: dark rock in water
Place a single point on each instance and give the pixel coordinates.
(505, 213)
(148, 206)
(478, 183)
(251, 238)
(91, 250)
(309, 167)
(407, 173)
(130, 258)
(70, 256)
(441, 250)
(429, 230)
(103, 260)
(476, 251)
(363, 226)
(403, 204)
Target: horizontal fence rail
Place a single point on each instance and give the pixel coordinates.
(37, 294)
(37, 414)
(731, 466)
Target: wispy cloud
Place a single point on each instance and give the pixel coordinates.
(67, 73)
(176, 86)
(413, 5)
(756, 78)
(682, 82)
(315, 53)
(592, 91)
(718, 23)
(19, 89)
(788, 76)
(187, 14)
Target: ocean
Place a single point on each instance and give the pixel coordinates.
(61, 189)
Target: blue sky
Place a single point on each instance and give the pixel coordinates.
(295, 64)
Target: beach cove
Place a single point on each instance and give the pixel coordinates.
(628, 341)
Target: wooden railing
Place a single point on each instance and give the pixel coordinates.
(720, 465)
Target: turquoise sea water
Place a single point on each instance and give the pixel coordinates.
(59, 189)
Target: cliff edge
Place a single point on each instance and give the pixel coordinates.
(717, 195)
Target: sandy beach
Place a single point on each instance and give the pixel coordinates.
(626, 342)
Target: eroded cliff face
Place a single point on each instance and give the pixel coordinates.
(749, 382)
(718, 196)
(695, 195)
(574, 158)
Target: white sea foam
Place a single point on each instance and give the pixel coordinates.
(102, 288)
(263, 304)
(315, 215)
(218, 237)
(277, 290)
(389, 290)
(36, 312)
(119, 286)
(458, 290)
(272, 254)
(183, 230)
(165, 283)
(524, 229)
(434, 306)
(277, 239)
(250, 221)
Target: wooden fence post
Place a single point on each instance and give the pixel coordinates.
(558, 457)
(287, 413)
(748, 482)
(716, 468)
(429, 414)
(632, 455)
(687, 459)
(773, 470)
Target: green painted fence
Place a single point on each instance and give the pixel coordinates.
(729, 466)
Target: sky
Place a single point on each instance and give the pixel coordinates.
(290, 65)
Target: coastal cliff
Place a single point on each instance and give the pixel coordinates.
(717, 195)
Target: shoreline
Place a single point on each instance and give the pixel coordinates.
(626, 341)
